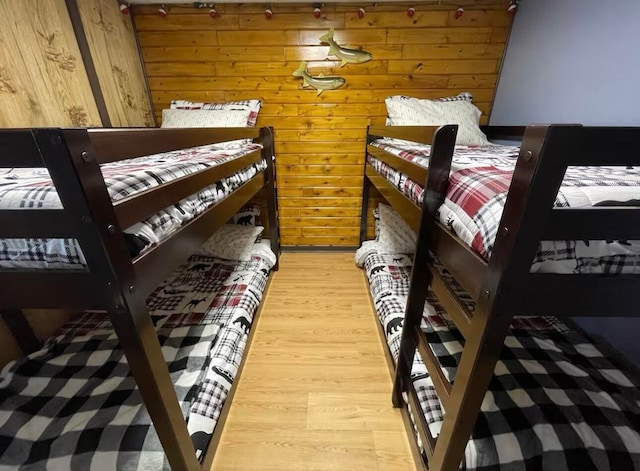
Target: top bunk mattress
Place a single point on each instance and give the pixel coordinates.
(478, 185)
(33, 189)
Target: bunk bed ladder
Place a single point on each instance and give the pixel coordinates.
(435, 189)
(72, 163)
(532, 194)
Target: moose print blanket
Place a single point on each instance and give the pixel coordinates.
(478, 185)
(33, 189)
(557, 399)
(74, 404)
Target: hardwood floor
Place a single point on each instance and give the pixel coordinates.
(315, 392)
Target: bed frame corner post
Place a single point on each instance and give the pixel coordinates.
(269, 152)
(21, 330)
(365, 193)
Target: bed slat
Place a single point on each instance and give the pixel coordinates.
(413, 171)
(410, 211)
(461, 261)
(599, 223)
(422, 134)
(595, 146)
(111, 145)
(45, 223)
(428, 441)
(152, 266)
(18, 149)
(141, 205)
(577, 295)
(442, 384)
(52, 289)
(451, 303)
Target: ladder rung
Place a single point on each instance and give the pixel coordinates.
(428, 441)
(451, 303)
(441, 384)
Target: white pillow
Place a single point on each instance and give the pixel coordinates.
(176, 118)
(395, 236)
(232, 242)
(409, 111)
(253, 106)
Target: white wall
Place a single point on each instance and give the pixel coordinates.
(575, 61)
(571, 61)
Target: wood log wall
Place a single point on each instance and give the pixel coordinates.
(320, 139)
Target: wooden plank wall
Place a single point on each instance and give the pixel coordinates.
(115, 55)
(320, 139)
(43, 81)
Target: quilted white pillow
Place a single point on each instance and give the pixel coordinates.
(253, 106)
(232, 242)
(176, 118)
(409, 111)
(395, 236)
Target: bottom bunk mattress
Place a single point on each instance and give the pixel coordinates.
(74, 404)
(33, 189)
(478, 185)
(557, 399)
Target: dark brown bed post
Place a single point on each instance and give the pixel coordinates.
(21, 330)
(365, 192)
(437, 182)
(269, 154)
(75, 172)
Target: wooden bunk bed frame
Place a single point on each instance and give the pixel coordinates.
(503, 285)
(113, 281)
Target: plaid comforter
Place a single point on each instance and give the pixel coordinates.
(82, 379)
(33, 189)
(478, 186)
(557, 401)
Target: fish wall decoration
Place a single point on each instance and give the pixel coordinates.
(346, 55)
(320, 83)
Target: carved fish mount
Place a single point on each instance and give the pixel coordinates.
(320, 83)
(346, 55)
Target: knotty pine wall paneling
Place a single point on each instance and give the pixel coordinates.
(43, 81)
(115, 55)
(320, 139)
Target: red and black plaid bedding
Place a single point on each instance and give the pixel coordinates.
(556, 401)
(478, 186)
(33, 189)
(104, 424)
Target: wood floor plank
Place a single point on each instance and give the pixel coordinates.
(315, 392)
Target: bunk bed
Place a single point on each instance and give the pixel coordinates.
(89, 186)
(445, 367)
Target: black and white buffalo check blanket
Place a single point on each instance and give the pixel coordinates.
(478, 185)
(73, 405)
(33, 189)
(557, 399)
